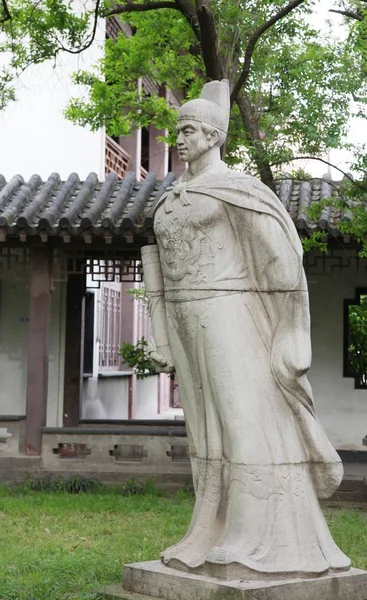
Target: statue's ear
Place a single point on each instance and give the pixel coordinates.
(214, 138)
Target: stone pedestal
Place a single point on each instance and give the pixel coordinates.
(149, 580)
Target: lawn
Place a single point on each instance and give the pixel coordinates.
(59, 546)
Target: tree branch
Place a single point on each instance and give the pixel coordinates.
(347, 13)
(359, 185)
(91, 39)
(187, 10)
(209, 39)
(361, 99)
(182, 6)
(255, 38)
(252, 133)
(131, 7)
(6, 12)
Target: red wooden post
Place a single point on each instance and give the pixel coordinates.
(127, 328)
(73, 359)
(38, 339)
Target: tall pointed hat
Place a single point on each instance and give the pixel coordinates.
(212, 108)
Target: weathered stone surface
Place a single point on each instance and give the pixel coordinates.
(230, 311)
(116, 592)
(145, 581)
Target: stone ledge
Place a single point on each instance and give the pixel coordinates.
(115, 592)
(149, 580)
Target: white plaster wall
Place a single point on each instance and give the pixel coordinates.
(341, 408)
(35, 137)
(14, 314)
(164, 392)
(14, 310)
(105, 398)
(146, 398)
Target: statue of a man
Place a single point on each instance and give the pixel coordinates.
(232, 316)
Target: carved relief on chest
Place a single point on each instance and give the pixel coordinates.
(187, 239)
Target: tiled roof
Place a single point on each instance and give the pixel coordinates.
(90, 208)
(78, 208)
(298, 196)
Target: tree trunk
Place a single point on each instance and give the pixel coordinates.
(257, 151)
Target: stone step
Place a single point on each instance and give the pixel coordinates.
(169, 584)
(15, 460)
(115, 592)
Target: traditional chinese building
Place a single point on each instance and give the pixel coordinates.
(54, 236)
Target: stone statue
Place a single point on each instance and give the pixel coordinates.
(229, 306)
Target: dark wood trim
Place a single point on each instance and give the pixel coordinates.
(10, 418)
(73, 353)
(128, 430)
(138, 422)
(88, 338)
(353, 456)
(38, 341)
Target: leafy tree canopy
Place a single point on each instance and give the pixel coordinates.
(291, 84)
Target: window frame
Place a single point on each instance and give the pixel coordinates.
(356, 301)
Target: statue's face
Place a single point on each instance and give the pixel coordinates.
(192, 142)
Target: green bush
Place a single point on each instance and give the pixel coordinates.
(70, 485)
(137, 358)
(83, 485)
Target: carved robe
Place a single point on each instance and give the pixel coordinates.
(238, 326)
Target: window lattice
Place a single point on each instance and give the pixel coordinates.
(110, 325)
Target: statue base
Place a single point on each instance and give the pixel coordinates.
(153, 580)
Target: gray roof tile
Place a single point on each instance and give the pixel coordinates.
(75, 208)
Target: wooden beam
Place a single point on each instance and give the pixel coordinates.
(73, 362)
(38, 339)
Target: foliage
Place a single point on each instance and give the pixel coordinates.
(132, 488)
(350, 206)
(137, 357)
(316, 241)
(291, 85)
(82, 485)
(357, 340)
(69, 485)
(298, 88)
(138, 293)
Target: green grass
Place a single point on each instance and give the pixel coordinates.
(58, 546)
(62, 547)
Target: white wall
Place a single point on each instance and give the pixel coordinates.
(105, 398)
(14, 311)
(14, 314)
(35, 137)
(341, 408)
(146, 399)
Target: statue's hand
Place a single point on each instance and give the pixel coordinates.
(161, 358)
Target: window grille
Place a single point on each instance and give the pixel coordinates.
(110, 328)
